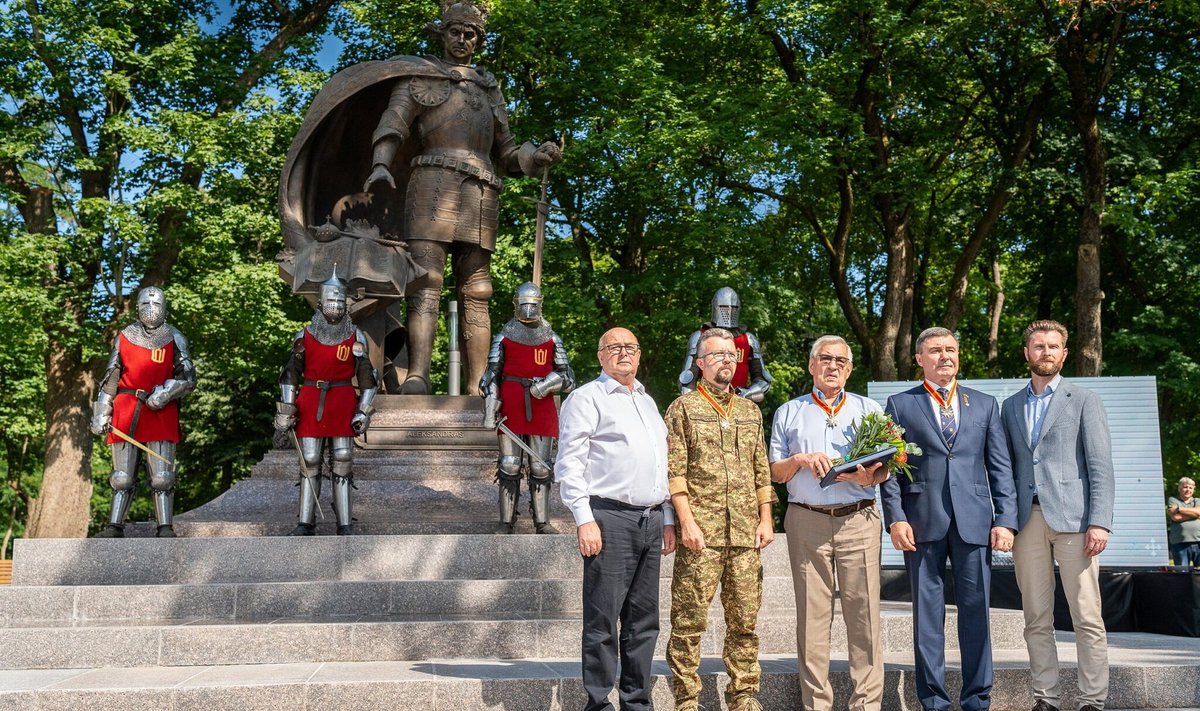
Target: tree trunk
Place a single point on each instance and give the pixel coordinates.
(995, 308)
(1088, 345)
(61, 509)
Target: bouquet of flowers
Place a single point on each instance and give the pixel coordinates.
(875, 432)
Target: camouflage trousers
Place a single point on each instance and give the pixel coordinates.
(697, 574)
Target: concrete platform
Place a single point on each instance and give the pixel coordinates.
(1148, 672)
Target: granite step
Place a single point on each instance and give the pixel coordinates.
(1159, 674)
(388, 637)
(380, 464)
(284, 559)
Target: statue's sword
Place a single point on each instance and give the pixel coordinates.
(516, 438)
(304, 472)
(141, 446)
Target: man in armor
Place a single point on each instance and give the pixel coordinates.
(318, 402)
(149, 370)
(750, 378)
(526, 365)
(457, 114)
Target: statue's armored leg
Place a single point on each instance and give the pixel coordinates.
(343, 458)
(162, 483)
(471, 272)
(423, 307)
(541, 478)
(310, 486)
(123, 481)
(509, 478)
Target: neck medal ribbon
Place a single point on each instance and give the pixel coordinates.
(945, 406)
(723, 414)
(831, 413)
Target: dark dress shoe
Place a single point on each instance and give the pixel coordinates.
(1044, 705)
(1087, 707)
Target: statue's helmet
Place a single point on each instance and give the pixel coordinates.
(464, 13)
(152, 307)
(333, 298)
(725, 308)
(527, 303)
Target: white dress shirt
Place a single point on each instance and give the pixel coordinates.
(611, 443)
(801, 427)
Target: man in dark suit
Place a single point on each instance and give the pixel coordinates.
(1062, 456)
(961, 504)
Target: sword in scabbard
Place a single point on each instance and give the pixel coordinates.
(142, 447)
(304, 472)
(516, 439)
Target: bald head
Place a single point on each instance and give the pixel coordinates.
(619, 355)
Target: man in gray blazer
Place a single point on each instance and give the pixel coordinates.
(1062, 459)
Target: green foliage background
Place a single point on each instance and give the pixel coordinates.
(697, 156)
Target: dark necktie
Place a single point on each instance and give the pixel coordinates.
(946, 414)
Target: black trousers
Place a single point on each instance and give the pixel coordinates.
(620, 607)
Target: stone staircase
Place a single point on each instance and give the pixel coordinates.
(457, 622)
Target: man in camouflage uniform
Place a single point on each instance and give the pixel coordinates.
(720, 486)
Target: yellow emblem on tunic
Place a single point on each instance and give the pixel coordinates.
(541, 356)
(158, 355)
(343, 352)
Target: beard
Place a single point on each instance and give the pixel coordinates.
(1045, 369)
(723, 377)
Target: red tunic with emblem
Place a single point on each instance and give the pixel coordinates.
(144, 369)
(332, 363)
(522, 361)
(741, 371)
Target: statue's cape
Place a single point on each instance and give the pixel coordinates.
(322, 182)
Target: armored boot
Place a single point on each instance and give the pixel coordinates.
(477, 340)
(310, 491)
(422, 327)
(539, 504)
(164, 513)
(341, 498)
(510, 491)
(112, 530)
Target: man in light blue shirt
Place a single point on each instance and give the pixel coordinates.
(831, 529)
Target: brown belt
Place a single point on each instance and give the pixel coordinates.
(838, 511)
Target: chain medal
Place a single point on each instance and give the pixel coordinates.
(723, 414)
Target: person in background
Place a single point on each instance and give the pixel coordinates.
(1183, 529)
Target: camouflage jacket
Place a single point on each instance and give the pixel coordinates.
(724, 471)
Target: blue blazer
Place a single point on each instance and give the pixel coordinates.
(970, 482)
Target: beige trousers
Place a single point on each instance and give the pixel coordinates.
(824, 550)
(1036, 549)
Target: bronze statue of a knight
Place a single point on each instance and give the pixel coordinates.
(433, 134)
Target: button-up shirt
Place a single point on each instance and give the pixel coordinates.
(1036, 406)
(723, 470)
(802, 427)
(611, 443)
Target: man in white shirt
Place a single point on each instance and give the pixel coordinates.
(612, 474)
(830, 529)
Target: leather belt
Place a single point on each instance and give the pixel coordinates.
(324, 386)
(599, 502)
(837, 511)
(525, 383)
(459, 165)
(141, 396)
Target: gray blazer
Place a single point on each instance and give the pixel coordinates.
(1071, 468)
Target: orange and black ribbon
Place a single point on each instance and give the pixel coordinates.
(723, 413)
(831, 413)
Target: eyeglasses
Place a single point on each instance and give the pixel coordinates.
(619, 348)
(719, 355)
(826, 359)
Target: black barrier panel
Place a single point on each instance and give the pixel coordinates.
(1168, 602)
(1117, 594)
